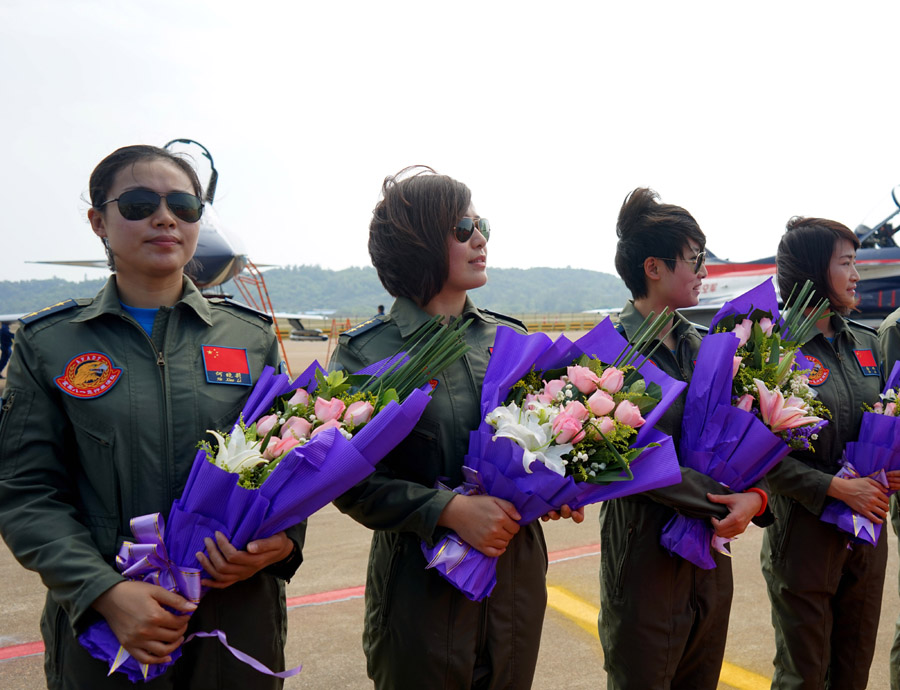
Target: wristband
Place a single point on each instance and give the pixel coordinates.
(762, 495)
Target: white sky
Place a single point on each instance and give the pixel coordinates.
(745, 114)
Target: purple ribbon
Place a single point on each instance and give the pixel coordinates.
(246, 658)
(148, 560)
(847, 519)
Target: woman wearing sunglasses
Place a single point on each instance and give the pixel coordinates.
(106, 400)
(663, 620)
(429, 247)
(825, 588)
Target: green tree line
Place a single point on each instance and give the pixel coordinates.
(357, 290)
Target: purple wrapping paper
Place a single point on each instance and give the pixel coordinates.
(732, 446)
(877, 451)
(308, 478)
(495, 464)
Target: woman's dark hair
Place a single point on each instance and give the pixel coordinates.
(105, 173)
(409, 230)
(804, 253)
(648, 228)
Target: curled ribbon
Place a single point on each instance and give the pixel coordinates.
(148, 561)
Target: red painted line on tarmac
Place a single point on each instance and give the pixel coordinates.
(18, 651)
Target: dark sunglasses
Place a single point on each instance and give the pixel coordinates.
(698, 261)
(467, 226)
(137, 204)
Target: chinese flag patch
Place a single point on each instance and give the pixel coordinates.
(226, 365)
(866, 361)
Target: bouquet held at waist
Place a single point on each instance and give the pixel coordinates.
(295, 447)
(565, 423)
(748, 404)
(875, 453)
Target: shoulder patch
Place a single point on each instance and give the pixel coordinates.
(52, 309)
(366, 325)
(231, 303)
(504, 317)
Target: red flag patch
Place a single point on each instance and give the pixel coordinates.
(866, 361)
(226, 365)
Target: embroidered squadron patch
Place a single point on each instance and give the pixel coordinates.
(866, 361)
(819, 373)
(226, 365)
(89, 375)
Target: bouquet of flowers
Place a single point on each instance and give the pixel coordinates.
(295, 447)
(564, 424)
(749, 402)
(876, 452)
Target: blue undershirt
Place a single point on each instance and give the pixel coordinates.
(144, 317)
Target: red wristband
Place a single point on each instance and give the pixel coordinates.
(762, 495)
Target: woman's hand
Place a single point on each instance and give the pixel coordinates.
(485, 522)
(227, 565)
(741, 509)
(863, 494)
(893, 478)
(136, 613)
(566, 513)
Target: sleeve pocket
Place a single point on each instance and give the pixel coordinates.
(14, 414)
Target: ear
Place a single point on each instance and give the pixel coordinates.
(652, 268)
(98, 222)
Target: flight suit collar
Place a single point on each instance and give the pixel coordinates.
(107, 302)
(839, 324)
(631, 319)
(409, 316)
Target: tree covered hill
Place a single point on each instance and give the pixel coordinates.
(357, 291)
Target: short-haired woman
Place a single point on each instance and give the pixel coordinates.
(663, 620)
(429, 247)
(824, 588)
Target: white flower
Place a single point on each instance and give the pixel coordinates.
(237, 452)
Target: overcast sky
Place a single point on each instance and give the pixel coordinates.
(745, 114)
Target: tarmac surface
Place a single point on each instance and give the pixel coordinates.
(326, 606)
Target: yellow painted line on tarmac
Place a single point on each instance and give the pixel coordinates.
(584, 614)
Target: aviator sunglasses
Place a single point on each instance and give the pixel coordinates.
(698, 261)
(466, 227)
(137, 204)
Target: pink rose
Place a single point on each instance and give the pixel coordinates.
(552, 388)
(297, 427)
(300, 397)
(611, 380)
(326, 410)
(878, 407)
(629, 414)
(605, 424)
(582, 378)
(601, 403)
(890, 408)
(542, 398)
(567, 429)
(742, 331)
(279, 446)
(359, 412)
(577, 410)
(766, 325)
(330, 424)
(736, 366)
(265, 424)
(745, 402)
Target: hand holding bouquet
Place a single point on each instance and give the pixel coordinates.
(565, 424)
(295, 447)
(748, 402)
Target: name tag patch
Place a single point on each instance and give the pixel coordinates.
(226, 365)
(866, 361)
(88, 375)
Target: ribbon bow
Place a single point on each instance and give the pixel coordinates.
(148, 561)
(857, 524)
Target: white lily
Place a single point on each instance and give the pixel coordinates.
(236, 453)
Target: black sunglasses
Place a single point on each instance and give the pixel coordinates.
(698, 261)
(137, 204)
(467, 226)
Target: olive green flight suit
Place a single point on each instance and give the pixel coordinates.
(75, 470)
(826, 597)
(420, 631)
(889, 339)
(663, 620)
